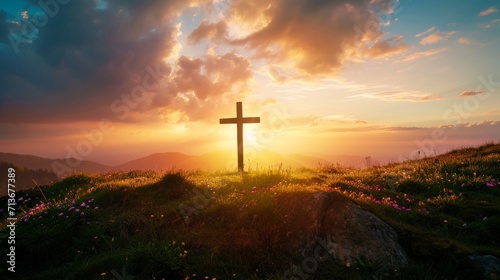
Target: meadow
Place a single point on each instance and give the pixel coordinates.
(179, 224)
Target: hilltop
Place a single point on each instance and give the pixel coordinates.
(195, 224)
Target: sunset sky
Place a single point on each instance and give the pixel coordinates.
(115, 80)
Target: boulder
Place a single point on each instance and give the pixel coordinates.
(351, 231)
(489, 265)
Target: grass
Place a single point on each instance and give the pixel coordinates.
(200, 225)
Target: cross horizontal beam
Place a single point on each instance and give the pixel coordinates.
(243, 120)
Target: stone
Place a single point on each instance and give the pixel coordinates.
(489, 265)
(352, 231)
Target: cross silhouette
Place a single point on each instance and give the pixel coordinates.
(239, 121)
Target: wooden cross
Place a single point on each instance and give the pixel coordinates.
(239, 121)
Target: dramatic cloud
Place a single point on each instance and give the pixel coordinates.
(488, 11)
(399, 95)
(470, 93)
(436, 37)
(109, 63)
(213, 77)
(306, 37)
(417, 55)
(209, 31)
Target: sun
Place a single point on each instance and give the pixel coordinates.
(250, 137)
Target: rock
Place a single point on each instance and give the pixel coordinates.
(352, 231)
(490, 265)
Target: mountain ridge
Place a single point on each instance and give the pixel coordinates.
(214, 160)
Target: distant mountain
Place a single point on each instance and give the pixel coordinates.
(163, 161)
(25, 178)
(219, 161)
(59, 166)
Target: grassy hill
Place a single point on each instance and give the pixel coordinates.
(201, 225)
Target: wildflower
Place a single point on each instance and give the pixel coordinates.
(464, 225)
(77, 210)
(83, 204)
(60, 214)
(348, 264)
(20, 199)
(485, 218)
(96, 207)
(489, 185)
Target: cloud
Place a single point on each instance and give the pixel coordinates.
(486, 130)
(417, 55)
(381, 48)
(488, 11)
(400, 95)
(493, 113)
(464, 41)
(470, 93)
(213, 76)
(436, 37)
(75, 72)
(321, 122)
(425, 32)
(209, 31)
(307, 38)
(492, 23)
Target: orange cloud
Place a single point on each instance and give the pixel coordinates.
(464, 41)
(208, 31)
(436, 37)
(401, 95)
(488, 11)
(307, 38)
(216, 75)
(470, 93)
(418, 55)
(394, 45)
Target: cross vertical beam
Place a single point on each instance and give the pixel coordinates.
(239, 121)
